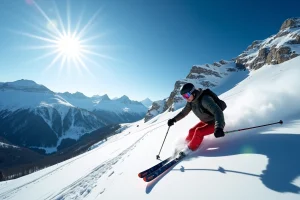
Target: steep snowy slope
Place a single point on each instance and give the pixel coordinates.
(255, 164)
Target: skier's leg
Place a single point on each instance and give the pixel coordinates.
(192, 132)
(199, 134)
(189, 137)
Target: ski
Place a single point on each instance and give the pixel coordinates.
(163, 168)
(154, 168)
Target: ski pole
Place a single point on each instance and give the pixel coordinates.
(157, 156)
(280, 122)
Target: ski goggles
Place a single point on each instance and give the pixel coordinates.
(187, 95)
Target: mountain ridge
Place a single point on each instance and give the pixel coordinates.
(276, 49)
(61, 116)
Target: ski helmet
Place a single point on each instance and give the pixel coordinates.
(188, 87)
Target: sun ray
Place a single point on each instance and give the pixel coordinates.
(96, 46)
(39, 47)
(41, 30)
(77, 67)
(59, 19)
(97, 54)
(78, 24)
(69, 17)
(63, 60)
(47, 18)
(84, 66)
(69, 67)
(53, 61)
(35, 36)
(97, 64)
(46, 55)
(92, 38)
(83, 30)
(90, 60)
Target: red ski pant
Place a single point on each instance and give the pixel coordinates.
(197, 133)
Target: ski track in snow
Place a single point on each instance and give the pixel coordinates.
(8, 194)
(83, 186)
(110, 174)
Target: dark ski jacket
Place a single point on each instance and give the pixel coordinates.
(209, 104)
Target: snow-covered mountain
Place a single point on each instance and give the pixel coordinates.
(157, 108)
(24, 85)
(33, 116)
(223, 75)
(276, 49)
(147, 102)
(260, 164)
(118, 110)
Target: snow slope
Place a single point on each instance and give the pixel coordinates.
(255, 164)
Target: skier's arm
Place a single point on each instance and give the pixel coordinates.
(209, 104)
(185, 111)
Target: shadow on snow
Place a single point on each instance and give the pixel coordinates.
(281, 149)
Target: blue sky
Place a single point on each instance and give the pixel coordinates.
(136, 48)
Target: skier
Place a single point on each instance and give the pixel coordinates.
(208, 108)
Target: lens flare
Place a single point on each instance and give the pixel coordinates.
(29, 2)
(52, 26)
(247, 149)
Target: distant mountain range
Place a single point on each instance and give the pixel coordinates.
(33, 116)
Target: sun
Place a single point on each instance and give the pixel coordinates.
(68, 46)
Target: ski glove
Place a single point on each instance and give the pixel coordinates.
(219, 132)
(171, 122)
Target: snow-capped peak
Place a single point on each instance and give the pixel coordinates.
(76, 95)
(291, 23)
(275, 49)
(96, 96)
(23, 84)
(147, 102)
(101, 98)
(123, 99)
(79, 95)
(105, 98)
